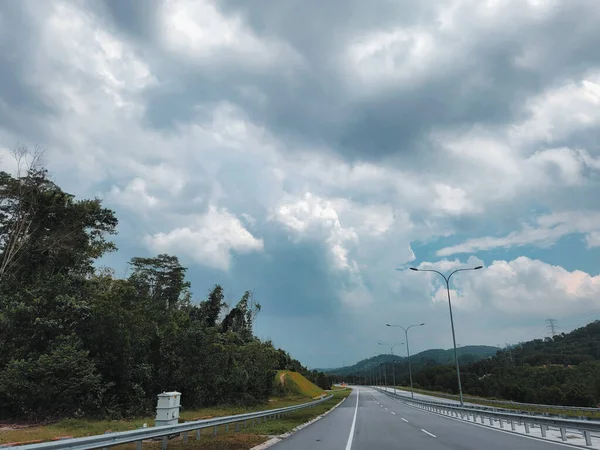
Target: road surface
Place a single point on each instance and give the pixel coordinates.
(370, 420)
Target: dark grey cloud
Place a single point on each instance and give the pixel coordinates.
(292, 279)
(18, 99)
(137, 19)
(483, 85)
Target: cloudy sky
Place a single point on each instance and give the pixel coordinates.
(306, 149)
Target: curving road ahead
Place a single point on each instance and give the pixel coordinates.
(369, 420)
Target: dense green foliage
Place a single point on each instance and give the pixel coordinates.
(563, 370)
(77, 341)
(380, 367)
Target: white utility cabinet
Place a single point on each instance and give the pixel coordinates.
(167, 408)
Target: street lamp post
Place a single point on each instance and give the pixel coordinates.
(393, 362)
(447, 280)
(407, 351)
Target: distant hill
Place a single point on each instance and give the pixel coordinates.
(363, 365)
(467, 354)
(559, 370)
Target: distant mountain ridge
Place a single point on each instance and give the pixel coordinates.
(467, 354)
(560, 370)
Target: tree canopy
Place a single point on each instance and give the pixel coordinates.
(77, 341)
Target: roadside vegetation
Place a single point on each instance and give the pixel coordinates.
(560, 370)
(225, 439)
(77, 341)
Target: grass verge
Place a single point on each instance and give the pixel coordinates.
(226, 439)
(295, 383)
(522, 407)
(82, 427)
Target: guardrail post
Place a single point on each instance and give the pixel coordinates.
(501, 423)
(491, 423)
(481, 417)
(588, 438)
(138, 445)
(165, 442)
(245, 423)
(237, 426)
(198, 434)
(226, 427)
(512, 425)
(543, 429)
(185, 437)
(563, 433)
(215, 430)
(526, 427)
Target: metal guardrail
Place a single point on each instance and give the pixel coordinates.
(491, 408)
(105, 441)
(472, 413)
(512, 404)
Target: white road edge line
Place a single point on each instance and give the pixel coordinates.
(279, 438)
(405, 420)
(427, 432)
(535, 438)
(351, 436)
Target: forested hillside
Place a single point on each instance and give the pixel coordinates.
(563, 370)
(75, 340)
(380, 366)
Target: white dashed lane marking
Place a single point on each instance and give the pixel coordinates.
(427, 432)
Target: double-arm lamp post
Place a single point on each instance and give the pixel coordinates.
(393, 362)
(447, 280)
(407, 352)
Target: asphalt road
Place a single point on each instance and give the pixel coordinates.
(377, 422)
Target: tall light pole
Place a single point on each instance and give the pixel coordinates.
(447, 280)
(393, 363)
(412, 394)
(378, 383)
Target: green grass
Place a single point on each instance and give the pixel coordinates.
(295, 383)
(289, 422)
(225, 440)
(523, 407)
(82, 427)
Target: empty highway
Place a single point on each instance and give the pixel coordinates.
(369, 420)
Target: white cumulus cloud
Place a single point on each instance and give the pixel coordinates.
(210, 242)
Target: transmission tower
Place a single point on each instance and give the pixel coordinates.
(512, 361)
(551, 326)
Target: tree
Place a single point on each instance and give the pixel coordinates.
(240, 319)
(161, 279)
(210, 310)
(78, 341)
(43, 230)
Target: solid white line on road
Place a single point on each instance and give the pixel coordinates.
(405, 420)
(503, 431)
(351, 436)
(427, 432)
(393, 413)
